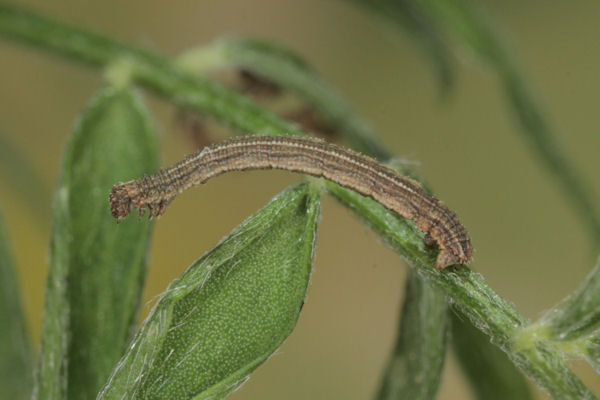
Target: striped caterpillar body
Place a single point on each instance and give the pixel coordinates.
(309, 156)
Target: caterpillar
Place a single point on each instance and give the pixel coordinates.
(310, 156)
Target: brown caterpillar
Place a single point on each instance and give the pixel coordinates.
(309, 156)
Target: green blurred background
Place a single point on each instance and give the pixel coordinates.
(529, 244)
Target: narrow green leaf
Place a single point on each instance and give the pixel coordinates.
(229, 311)
(408, 16)
(16, 362)
(577, 315)
(489, 371)
(18, 171)
(415, 369)
(51, 373)
(97, 267)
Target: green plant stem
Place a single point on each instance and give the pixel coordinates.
(468, 292)
(415, 368)
(466, 289)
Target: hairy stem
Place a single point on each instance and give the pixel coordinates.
(468, 292)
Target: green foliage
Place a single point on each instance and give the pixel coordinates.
(229, 311)
(236, 305)
(468, 292)
(415, 368)
(96, 266)
(15, 348)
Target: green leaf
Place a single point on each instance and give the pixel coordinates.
(97, 267)
(16, 361)
(491, 374)
(229, 311)
(51, 373)
(415, 369)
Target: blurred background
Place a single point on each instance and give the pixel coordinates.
(530, 245)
